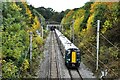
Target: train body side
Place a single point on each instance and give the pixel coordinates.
(70, 52)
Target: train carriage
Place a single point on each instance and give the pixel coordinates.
(69, 51)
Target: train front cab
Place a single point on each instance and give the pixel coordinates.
(72, 58)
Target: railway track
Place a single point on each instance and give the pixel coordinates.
(53, 66)
(49, 58)
(75, 74)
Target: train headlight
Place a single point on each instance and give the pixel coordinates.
(68, 59)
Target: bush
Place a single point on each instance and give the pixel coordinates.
(9, 70)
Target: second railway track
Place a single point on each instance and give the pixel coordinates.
(53, 58)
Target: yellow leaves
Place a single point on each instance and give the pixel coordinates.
(28, 12)
(36, 24)
(83, 30)
(69, 13)
(9, 70)
(107, 25)
(63, 21)
(3, 61)
(89, 22)
(77, 24)
(16, 53)
(39, 40)
(79, 17)
(93, 6)
(74, 17)
(25, 65)
(79, 13)
(15, 7)
(90, 29)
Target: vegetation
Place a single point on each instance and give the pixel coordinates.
(85, 20)
(19, 19)
(18, 22)
(50, 15)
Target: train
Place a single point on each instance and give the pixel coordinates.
(71, 54)
(52, 28)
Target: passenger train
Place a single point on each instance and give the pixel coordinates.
(70, 52)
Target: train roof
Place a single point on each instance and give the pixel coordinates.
(67, 43)
(58, 33)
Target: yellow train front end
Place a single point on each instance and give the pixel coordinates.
(72, 58)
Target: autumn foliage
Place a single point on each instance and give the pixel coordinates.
(85, 24)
